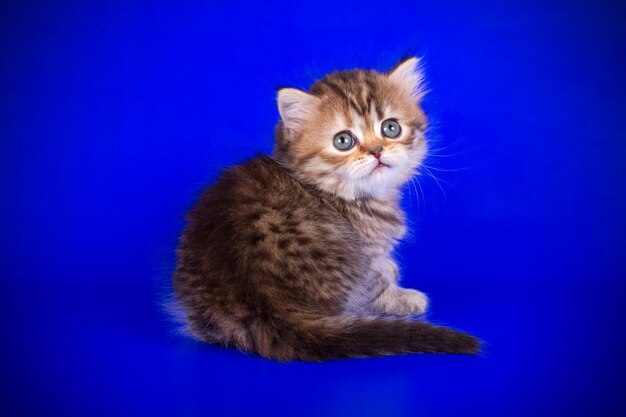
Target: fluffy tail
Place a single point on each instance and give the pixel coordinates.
(354, 337)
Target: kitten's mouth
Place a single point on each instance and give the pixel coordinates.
(380, 167)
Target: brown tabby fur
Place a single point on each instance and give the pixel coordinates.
(290, 257)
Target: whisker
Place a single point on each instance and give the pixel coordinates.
(421, 189)
(410, 196)
(437, 178)
(447, 146)
(418, 200)
(446, 170)
(434, 153)
(437, 181)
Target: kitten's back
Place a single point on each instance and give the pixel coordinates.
(259, 246)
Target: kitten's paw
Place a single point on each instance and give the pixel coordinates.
(416, 301)
(401, 302)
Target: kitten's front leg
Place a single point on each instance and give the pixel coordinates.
(390, 298)
(388, 269)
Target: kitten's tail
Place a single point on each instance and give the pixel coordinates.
(352, 337)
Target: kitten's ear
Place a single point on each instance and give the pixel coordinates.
(295, 106)
(409, 76)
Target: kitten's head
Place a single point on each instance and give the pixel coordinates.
(356, 133)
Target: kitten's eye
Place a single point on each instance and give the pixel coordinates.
(390, 128)
(343, 141)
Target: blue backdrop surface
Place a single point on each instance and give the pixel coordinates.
(114, 115)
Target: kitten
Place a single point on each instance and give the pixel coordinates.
(290, 257)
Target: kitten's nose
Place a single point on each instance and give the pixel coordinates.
(376, 151)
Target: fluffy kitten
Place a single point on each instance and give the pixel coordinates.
(291, 257)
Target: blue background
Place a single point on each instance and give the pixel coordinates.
(114, 116)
